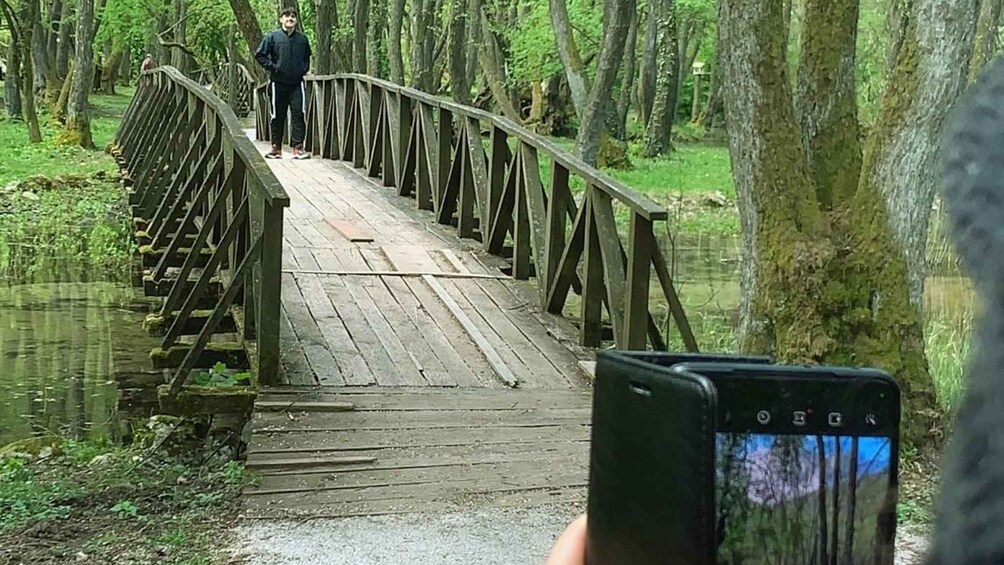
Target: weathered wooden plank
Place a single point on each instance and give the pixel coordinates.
(361, 419)
(462, 369)
(427, 482)
(299, 315)
(388, 465)
(350, 230)
(500, 367)
(351, 364)
(295, 368)
(412, 337)
(306, 462)
(536, 333)
(540, 372)
(366, 341)
(288, 405)
(266, 445)
(432, 398)
(407, 368)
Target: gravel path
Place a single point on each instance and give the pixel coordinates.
(485, 537)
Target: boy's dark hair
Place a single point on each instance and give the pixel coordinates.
(288, 11)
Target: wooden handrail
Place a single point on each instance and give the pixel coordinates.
(209, 212)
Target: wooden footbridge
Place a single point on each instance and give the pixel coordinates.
(416, 305)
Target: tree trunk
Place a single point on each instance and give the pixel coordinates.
(65, 31)
(575, 70)
(616, 19)
(627, 86)
(658, 134)
(827, 99)
(12, 80)
(420, 64)
(52, 80)
(927, 78)
(247, 22)
(125, 66)
(59, 109)
(715, 103)
(475, 35)
(494, 74)
(52, 38)
(649, 58)
(38, 46)
(109, 71)
(986, 35)
(395, 53)
(78, 119)
(179, 59)
(322, 34)
(360, 25)
(459, 86)
(825, 287)
(376, 51)
(29, 14)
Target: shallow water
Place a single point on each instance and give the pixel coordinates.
(62, 346)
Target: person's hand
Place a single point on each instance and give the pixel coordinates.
(570, 548)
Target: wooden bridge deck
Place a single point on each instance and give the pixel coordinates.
(399, 346)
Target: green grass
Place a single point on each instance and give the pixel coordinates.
(114, 504)
(23, 159)
(62, 203)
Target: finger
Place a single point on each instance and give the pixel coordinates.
(570, 549)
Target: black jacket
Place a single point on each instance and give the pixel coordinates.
(285, 57)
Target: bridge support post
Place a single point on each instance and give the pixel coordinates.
(270, 292)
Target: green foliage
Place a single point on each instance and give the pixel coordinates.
(218, 375)
(534, 50)
(126, 508)
(62, 204)
(123, 504)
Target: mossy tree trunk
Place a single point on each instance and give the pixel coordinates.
(65, 40)
(12, 79)
(29, 13)
(595, 115)
(828, 282)
(360, 26)
(458, 47)
(659, 131)
(77, 130)
(986, 36)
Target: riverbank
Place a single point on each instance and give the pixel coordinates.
(162, 500)
(75, 485)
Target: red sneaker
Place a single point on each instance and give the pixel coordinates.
(299, 153)
(275, 153)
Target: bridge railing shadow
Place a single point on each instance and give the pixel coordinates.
(519, 194)
(209, 218)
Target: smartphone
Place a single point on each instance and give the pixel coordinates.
(651, 460)
(806, 463)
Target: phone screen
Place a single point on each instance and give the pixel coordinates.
(798, 499)
(805, 469)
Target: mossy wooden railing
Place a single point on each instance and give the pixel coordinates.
(512, 190)
(223, 76)
(209, 218)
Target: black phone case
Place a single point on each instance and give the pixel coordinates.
(651, 477)
(886, 521)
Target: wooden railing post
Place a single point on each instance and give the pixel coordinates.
(270, 295)
(639, 275)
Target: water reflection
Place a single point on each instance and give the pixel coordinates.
(63, 345)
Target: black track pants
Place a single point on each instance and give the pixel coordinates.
(287, 96)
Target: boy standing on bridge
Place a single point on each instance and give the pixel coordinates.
(285, 54)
